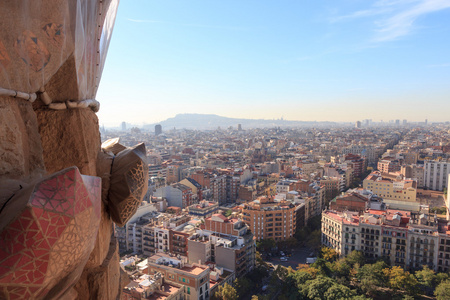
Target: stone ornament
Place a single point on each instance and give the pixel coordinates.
(47, 231)
(128, 183)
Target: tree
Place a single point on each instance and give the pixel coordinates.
(265, 244)
(442, 291)
(323, 266)
(243, 285)
(308, 269)
(371, 277)
(316, 289)
(226, 292)
(314, 239)
(338, 292)
(355, 257)
(401, 280)
(301, 277)
(341, 271)
(328, 254)
(440, 277)
(427, 278)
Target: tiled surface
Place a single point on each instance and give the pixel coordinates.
(53, 234)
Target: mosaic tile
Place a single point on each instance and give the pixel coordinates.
(52, 236)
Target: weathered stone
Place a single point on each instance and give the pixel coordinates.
(20, 148)
(69, 138)
(103, 281)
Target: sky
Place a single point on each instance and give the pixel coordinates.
(307, 60)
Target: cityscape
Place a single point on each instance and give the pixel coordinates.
(224, 150)
(246, 212)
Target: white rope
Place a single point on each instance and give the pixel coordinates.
(91, 103)
(30, 97)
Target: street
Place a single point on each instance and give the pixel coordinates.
(298, 256)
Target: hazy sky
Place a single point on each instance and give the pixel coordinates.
(335, 60)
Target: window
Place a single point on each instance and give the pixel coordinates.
(189, 290)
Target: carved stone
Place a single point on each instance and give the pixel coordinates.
(128, 183)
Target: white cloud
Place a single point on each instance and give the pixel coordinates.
(402, 22)
(396, 18)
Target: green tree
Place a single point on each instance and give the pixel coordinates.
(243, 285)
(355, 257)
(359, 297)
(440, 277)
(341, 271)
(314, 239)
(265, 244)
(401, 280)
(323, 266)
(301, 277)
(328, 254)
(316, 289)
(226, 292)
(371, 277)
(338, 292)
(427, 278)
(442, 291)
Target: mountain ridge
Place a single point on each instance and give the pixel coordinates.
(213, 121)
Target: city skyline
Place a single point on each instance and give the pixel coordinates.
(327, 61)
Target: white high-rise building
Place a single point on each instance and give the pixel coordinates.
(436, 174)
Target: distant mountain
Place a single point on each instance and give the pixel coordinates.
(209, 121)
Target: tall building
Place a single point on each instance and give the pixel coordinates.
(158, 129)
(358, 124)
(124, 126)
(270, 219)
(239, 127)
(436, 174)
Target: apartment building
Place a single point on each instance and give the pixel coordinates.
(176, 270)
(406, 242)
(227, 242)
(415, 172)
(284, 186)
(167, 234)
(436, 174)
(331, 186)
(270, 219)
(357, 163)
(391, 188)
(313, 192)
(152, 287)
(388, 166)
(203, 209)
(177, 195)
(352, 201)
(129, 236)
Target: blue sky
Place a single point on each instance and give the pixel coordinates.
(335, 60)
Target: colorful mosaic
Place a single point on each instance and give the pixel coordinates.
(32, 51)
(52, 235)
(125, 196)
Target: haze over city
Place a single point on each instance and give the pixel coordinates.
(300, 60)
